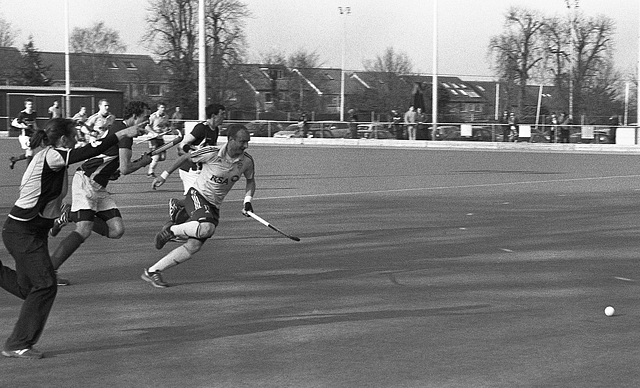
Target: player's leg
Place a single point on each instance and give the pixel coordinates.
(83, 212)
(198, 229)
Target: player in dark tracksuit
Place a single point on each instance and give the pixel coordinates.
(25, 232)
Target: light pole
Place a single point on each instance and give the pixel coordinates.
(343, 11)
(571, 6)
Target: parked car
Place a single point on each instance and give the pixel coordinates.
(373, 131)
(452, 132)
(292, 130)
(263, 128)
(337, 128)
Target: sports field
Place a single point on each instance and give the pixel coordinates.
(417, 268)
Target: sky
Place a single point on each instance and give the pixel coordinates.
(464, 28)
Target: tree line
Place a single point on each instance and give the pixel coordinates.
(573, 54)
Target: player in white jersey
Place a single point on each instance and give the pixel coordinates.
(222, 167)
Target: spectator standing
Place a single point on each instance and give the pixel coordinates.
(396, 121)
(177, 123)
(410, 119)
(303, 123)
(553, 128)
(353, 123)
(421, 118)
(513, 126)
(613, 126)
(565, 127)
(504, 120)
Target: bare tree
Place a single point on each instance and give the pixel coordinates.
(519, 49)
(390, 61)
(302, 58)
(582, 49)
(273, 57)
(97, 39)
(226, 42)
(173, 36)
(593, 53)
(390, 91)
(7, 33)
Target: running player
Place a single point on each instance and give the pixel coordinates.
(158, 124)
(26, 123)
(222, 167)
(100, 122)
(203, 134)
(43, 187)
(93, 208)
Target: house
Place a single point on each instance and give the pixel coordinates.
(459, 100)
(137, 76)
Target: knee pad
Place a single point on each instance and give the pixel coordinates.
(205, 230)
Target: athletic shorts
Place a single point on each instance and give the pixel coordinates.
(188, 179)
(199, 209)
(24, 144)
(89, 195)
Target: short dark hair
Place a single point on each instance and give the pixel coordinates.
(213, 109)
(134, 108)
(233, 130)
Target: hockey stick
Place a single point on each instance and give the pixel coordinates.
(165, 147)
(142, 139)
(265, 223)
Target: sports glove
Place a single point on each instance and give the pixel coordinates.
(247, 208)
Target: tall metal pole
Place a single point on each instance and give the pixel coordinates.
(638, 72)
(571, 5)
(202, 64)
(67, 66)
(343, 11)
(434, 83)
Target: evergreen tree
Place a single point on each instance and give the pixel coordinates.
(32, 71)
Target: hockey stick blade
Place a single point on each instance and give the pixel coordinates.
(265, 223)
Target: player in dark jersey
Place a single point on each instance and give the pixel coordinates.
(25, 232)
(26, 123)
(93, 208)
(203, 134)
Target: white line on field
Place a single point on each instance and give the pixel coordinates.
(416, 189)
(624, 279)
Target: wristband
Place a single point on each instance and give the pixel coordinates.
(247, 198)
(164, 175)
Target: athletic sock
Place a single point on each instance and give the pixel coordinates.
(66, 249)
(188, 229)
(173, 258)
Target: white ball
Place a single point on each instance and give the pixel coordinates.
(609, 311)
